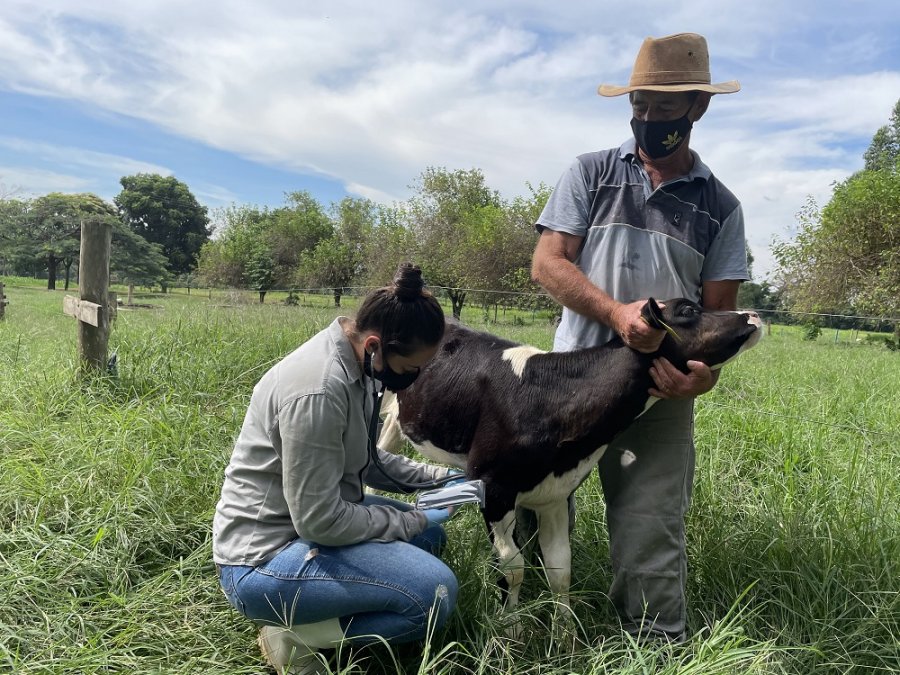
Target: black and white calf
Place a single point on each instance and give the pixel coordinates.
(532, 424)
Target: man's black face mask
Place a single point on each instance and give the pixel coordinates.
(390, 379)
(660, 139)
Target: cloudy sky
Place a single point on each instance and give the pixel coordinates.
(244, 101)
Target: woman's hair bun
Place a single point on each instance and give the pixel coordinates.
(408, 282)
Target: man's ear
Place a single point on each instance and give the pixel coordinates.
(701, 104)
(652, 314)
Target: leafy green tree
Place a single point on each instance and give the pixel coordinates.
(164, 211)
(390, 243)
(451, 216)
(223, 258)
(51, 230)
(884, 151)
(261, 248)
(296, 227)
(331, 264)
(15, 256)
(339, 261)
(761, 297)
(135, 261)
(513, 269)
(847, 256)
(259, 270)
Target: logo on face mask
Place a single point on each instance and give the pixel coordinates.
(660, 139)
(389, 378)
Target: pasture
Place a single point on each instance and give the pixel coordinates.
(107, 490)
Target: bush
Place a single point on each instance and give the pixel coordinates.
(888, 341)
(811, 331)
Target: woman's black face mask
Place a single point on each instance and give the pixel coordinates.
(390, 379)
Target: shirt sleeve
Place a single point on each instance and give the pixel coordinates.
(402, 469)
(727, 256)
(568, 208)
(313, 459)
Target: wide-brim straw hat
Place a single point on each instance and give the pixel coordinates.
(672, 63)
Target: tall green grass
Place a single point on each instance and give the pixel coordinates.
(107, 490)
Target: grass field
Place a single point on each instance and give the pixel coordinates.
(107, 491)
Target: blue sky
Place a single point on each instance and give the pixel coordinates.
(245, 101)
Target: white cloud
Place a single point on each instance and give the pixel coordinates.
(79, 158)
(23, 182)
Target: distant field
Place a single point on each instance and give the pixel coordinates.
(107, 492)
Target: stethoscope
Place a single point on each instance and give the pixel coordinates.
(377, 395)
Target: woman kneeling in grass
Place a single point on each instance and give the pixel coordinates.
(300, 548)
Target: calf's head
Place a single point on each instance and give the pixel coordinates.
(697, 334)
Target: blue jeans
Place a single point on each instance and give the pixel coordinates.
(385, 589)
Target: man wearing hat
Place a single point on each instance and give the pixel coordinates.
(646, 219)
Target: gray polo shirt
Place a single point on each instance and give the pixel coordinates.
(301, 459)
(640, 242)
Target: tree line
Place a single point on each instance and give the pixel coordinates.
(843, 259)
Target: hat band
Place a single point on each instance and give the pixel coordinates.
(671, 77)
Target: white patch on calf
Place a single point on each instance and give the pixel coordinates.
(754, 320)
(649, 404)
(555, 488)
(627, 459)
(436, 454)
(518, 357)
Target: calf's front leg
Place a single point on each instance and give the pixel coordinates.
(556, 550)
(511, 562)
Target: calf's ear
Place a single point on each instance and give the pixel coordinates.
(652, 314)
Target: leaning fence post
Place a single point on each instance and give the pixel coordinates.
(3, 303)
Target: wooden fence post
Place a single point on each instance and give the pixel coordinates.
(3, 303)
(93, 288)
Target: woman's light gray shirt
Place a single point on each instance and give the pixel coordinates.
(300, 461)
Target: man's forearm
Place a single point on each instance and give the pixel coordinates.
(569, 286)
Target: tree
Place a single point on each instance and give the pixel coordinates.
(846, 257)
(296, 227)
(135, 261)
(259, 269)
(450, 216)
(261, 248)
(52, 229)
(390, 243)
(513, 268)
(163, 211)
(336, 262)
(15, 254)
(222, 260)
(761, 297)
(884, 151)
(331, 264)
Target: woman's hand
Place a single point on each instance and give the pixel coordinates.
(437, 516)
(459, 477)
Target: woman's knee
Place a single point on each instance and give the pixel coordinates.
(438, 593)
(446, 594)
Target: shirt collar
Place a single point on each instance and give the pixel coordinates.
(628, 153)
(344, 349)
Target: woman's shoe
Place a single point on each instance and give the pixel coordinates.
(283, 649)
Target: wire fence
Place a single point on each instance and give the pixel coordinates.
(500, 303)
(491, 305)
